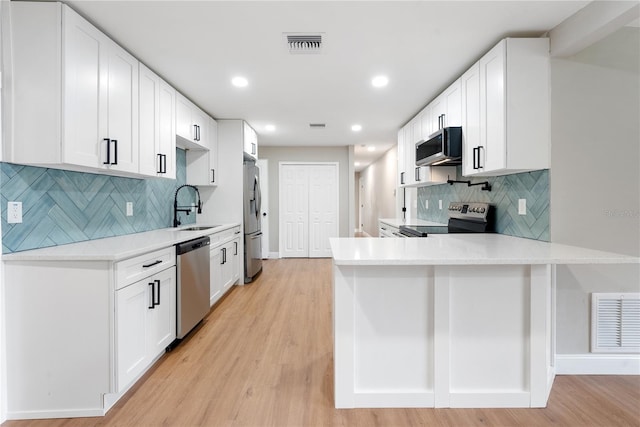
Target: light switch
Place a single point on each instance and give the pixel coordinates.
(14, 212)
(129, 208)
(522, 206)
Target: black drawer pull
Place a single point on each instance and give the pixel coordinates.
(152, 264)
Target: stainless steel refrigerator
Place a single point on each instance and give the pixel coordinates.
(252, 226)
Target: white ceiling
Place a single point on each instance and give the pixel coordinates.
(198, 46)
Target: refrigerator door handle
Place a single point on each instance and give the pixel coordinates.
(258, 195)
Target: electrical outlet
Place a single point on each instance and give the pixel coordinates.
(426, 204)
(14, 212)
(440, 204)
(522, 206)
(129, 208)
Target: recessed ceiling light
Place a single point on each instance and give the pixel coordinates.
(356, 164)
(356, 128)
(239, 81)
(371, 148)
(380, 81)
(270, 128)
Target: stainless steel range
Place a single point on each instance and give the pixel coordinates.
(463, 218)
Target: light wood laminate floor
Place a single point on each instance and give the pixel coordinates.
(263, 357)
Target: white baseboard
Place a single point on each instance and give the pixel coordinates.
(274, 255)
(597, 364)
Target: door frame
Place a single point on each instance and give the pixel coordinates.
(281, 198)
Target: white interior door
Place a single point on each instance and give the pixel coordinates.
(308, 209)
(323, 209)
(294, 211)
(263, 165)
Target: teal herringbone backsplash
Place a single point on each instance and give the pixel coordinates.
(504, 195)
(60, 207)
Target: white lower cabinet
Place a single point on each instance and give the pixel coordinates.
(224, 263)
(79, 333)
(387, 230)
(145, 324)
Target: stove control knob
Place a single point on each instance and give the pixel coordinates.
(482, 210)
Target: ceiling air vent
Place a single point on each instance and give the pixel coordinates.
(304, 42)
(317, 125)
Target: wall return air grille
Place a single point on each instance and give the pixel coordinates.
(304, 43)
(615, 322)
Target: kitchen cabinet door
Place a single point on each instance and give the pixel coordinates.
(191, 124)
(236, 260)
(156, 126)
(202, 166)
(472, 145)
(492, 107)
(215, 270)
(229, 251)
(184, 128)
(75, 93)
(121, 152)
(402, 159)
(453, 102)
(250, 141)
(145, 324)
(84, 90)
(161, 319)
(506, 121)
(410, 154)
(132, 304)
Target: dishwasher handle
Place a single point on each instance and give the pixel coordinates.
(192, 245)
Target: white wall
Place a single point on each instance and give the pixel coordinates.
(274, 155)
(378, 194)
(595, 174)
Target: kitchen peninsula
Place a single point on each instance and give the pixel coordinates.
(451, 320)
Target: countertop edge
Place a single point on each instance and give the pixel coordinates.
(48, 253)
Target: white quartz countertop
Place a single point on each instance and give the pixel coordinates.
(397, 222)
(466, 249)
(116, 248)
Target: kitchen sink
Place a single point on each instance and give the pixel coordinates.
(199, 228)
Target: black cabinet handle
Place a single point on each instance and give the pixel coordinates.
(235, 244)
(162, 163)
(475, 165)
(115, 152)
(213, 175)
(417, 173)
(237, 232)
(401, 177)
(153, 296)
(157, 282)
(222, 251)
(480, 148)
(198, 126)
(152, 264)
(108, 141)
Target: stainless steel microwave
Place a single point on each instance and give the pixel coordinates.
(443, 147)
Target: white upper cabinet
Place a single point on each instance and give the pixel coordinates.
(191, 124)
(402, 159)
(202, 166)
(506, 109)
(157, 136)
(446, 109)
(250, 141)
(75, 93)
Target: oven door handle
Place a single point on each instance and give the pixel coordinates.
(399, 234)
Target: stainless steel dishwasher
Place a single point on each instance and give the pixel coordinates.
(193, 283)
